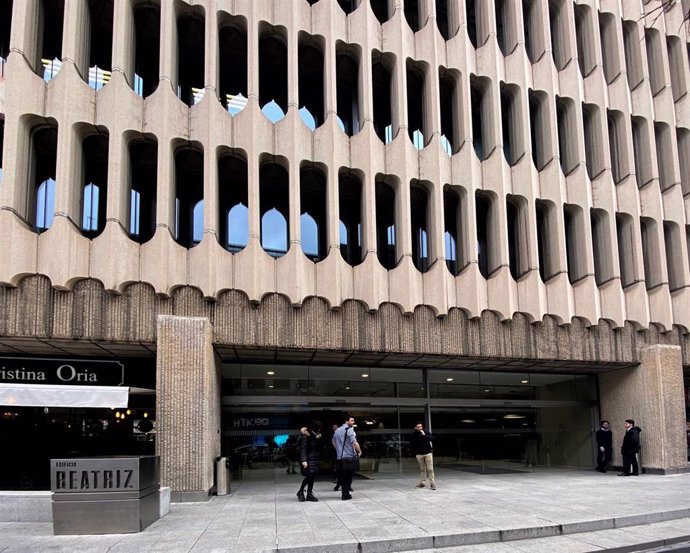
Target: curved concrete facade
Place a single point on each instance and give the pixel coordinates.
(593, 131)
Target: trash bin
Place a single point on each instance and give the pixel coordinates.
(223, 476)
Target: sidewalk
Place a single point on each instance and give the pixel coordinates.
(549, 510)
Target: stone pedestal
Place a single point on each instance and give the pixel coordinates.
(187, 406)
(652, 395)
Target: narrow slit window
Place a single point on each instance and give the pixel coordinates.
(573, 220)
(274, 208)
(674, 258)
(381, 10)
(601, 246)
(540, 129)
(189, 195)
(190, 53)
(313, 217)
(546, 228)
(633, 60)
(419, 219)
(532, 29)
(625, 234)
(455, 233)
(147, 25)
(311, 78)
(451, 109)
(411, 9)
(487, 258)
(482, 117)
(641, 150)
(657, 79)
(49, 38)
(385, 224)
(594, 146)
(609, 46)
(650, 253)
(567, 133)
(347, 63)
(679, 85)
(233, 198)
(143, 164)
(618, 149)
(513, 144)
(43, 161)
(416, 77)
(350, 204)
(94, 184)
(516, 219)
(560, 38)
(664, 155)
(683, 137)
(382, 66)
(232, 51)
(273, 76)
(100, 43)
(506, 30)
(5, 32)
(442, 21)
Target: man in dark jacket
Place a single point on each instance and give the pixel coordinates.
(604, 446)
(420, 444)
(630, 448)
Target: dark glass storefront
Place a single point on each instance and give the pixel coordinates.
(483, 421)
(34, 435)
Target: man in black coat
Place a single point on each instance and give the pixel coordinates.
(630, 448)
(604, 446)
(420, 444)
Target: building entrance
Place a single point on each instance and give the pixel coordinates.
(483, 422)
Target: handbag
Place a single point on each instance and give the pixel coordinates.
(348, 463)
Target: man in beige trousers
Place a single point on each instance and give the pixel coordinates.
(420, 444)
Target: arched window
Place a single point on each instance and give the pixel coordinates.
(189, 194)
(233, 226)
(385, 223)
(311, 78)
(313, 216)
(45, 204)
(347, 76)
(143, 164)
(94, 183)
(310, 236)
(274, 233)
(42, 164)
(350, 203)
(238, 228)
(419, 217)
(274, 206)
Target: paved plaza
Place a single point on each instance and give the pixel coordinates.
(548, 510)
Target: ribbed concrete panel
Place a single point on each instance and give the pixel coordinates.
(89, 313)
(187, 424)
(652, 395)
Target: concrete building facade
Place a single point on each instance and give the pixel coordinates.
(217, 187)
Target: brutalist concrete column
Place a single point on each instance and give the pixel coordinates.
(187, 406)
(652, 395)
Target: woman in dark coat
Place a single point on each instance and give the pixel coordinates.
(309, 453)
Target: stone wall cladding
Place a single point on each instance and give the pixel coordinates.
(188, 424)
(89, 312)
(66, 257)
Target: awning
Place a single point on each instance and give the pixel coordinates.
(47, 395)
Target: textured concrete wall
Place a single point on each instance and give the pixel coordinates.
(88, 312)
(652, 395)
(65, 254)
(187, 406)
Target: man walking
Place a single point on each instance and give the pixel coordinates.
(420, 444)
(346, 447)
(630, 448)
(604, 446)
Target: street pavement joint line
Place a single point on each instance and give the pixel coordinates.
(397, 514)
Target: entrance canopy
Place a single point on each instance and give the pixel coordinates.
(46, 395)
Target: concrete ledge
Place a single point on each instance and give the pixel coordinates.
(588, 526)
(25, 506)
(190, 497)
(36, 506)
(471, 538)
(401, 544)
(530, 532)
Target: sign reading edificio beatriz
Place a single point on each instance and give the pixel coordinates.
(26, 370)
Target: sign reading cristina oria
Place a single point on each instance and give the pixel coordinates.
(26, 370)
